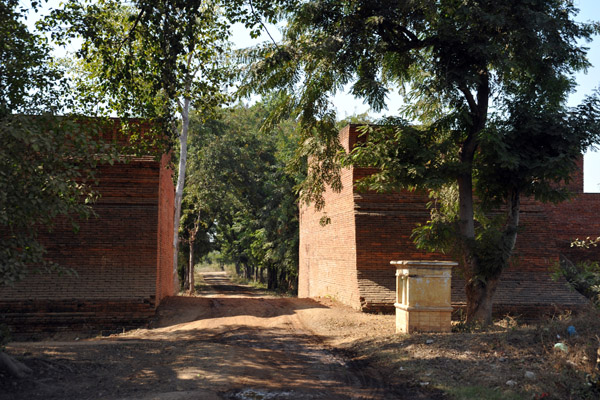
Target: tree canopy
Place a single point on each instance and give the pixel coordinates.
(485, 86)
(151, 59)
(45, 172)
(240, 198)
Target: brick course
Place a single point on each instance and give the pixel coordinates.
(349, 258)
(123, 258)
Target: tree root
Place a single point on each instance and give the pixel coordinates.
(13, 367)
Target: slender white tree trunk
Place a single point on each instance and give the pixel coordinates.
(183, 138)
(190, 270)
(193, 234)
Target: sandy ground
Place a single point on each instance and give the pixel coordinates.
(232, 342)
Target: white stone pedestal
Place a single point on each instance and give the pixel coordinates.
(423, 296)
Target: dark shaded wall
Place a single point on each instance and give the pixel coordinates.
(122, 258)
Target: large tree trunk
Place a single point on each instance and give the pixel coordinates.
(193, 232)
(247, 271)
(480, 298)
(480, 289)
(186, 283)
(185, 123)
(479, 295)
(479, 302)
(271, 277)
(283, 281)
(512, 221)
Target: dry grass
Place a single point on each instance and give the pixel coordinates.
(475, 364)
(465, 364)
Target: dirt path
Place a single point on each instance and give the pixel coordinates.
(230, 343)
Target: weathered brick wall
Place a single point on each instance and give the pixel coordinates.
(27, 319)
(578, 218)
(166, 207)
(382, 225)
(116, 257)
(327, 260)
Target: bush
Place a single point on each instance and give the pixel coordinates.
(582, 276)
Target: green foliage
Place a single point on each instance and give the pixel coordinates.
(30, 80)
(440, 232)
(485, 85)
(143, 58)
(239, 186)
(491, 244)
(583, 277)
(450, 59)
(534, 149)
(46, 162)
(359, 119)
(400, 152)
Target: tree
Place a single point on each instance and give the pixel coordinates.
(44, 163)
(46, 172)
(485, 83)
(197, 229)
(238, 183)
(155, 60)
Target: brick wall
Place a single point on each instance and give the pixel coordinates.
(327, 260)
(384, 225)
(118, 256)
(378, 230)
(166, 207)
(576, 218)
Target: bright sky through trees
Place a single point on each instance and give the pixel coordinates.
(347, 105)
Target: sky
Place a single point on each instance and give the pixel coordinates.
(347, 105)
(589, 10)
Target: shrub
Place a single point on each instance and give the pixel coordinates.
(582, 276)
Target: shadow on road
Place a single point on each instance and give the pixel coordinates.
(228, 345)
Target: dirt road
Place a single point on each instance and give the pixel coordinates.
(231, 343)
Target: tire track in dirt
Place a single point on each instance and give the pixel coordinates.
(293, 340)
(347, 378)
(232, 342)
(294, 360)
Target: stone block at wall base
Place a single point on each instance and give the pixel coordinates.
(422, 321)
(523, 312)
(35, 319)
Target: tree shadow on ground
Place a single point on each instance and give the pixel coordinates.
(222, 361)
